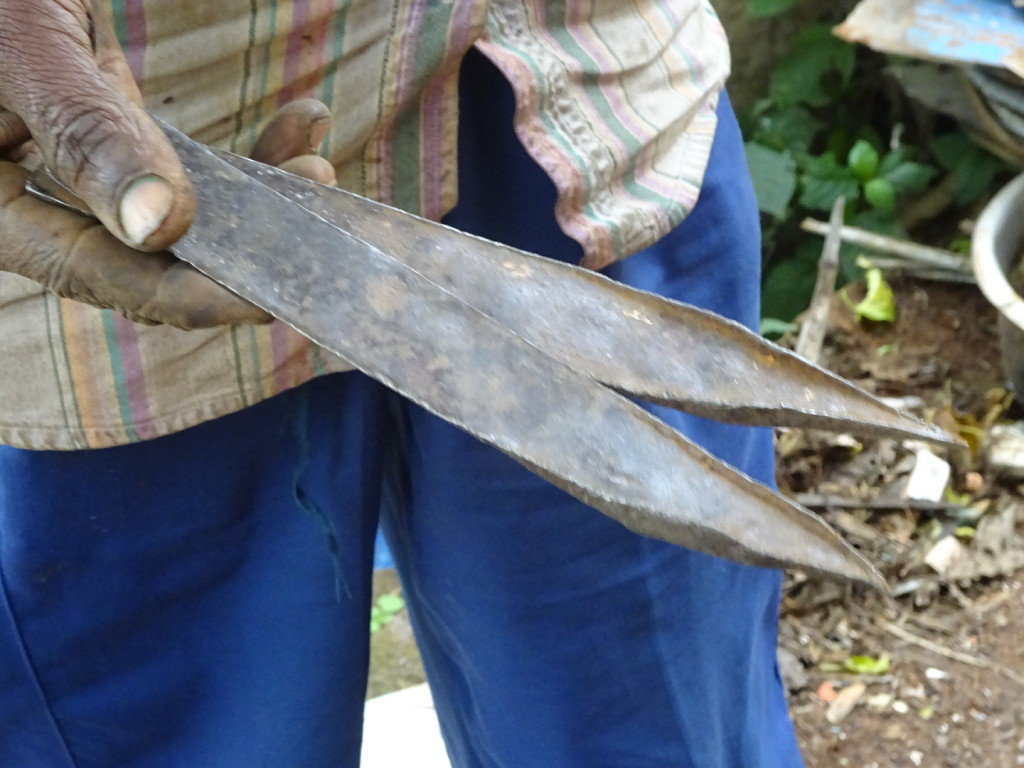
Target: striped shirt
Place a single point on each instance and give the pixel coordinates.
(615, 100)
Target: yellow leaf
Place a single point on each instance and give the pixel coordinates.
(878, 305)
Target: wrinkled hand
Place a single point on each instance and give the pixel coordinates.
(65, 85)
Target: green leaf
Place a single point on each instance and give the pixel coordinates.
(960, 244)
(909, 177)
(973, 169)
(825, 180)
(878, 304)
(950, 148)
(801, 77)
(761, 9)
(972, 183)
(788, 285)
(881, 194)
(384, 609)
(893, 159)
(390, 603)
(863, 160)
(774, 177)
(867, 665)
(377, 619)
(790, 127)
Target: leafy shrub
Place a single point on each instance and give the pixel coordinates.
(831, 125)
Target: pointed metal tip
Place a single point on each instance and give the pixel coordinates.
(821, 550)
(767, 530)
(938, 436)
(894, 424)
(855, 569)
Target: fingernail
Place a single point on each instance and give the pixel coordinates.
(144, 206)
(317, 131)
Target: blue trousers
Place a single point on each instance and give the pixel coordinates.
(202, 599)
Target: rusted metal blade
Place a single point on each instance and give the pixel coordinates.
(442, 353)
(636, 342)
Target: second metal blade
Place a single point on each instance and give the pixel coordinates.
(442, 353)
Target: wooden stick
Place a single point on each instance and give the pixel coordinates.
(812, 331)
(829, 501)
(904, 267)
(963, 658)
(921, 254)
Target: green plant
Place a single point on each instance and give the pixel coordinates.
(384, 609)
(831, 127)
(866, 175)
(793, 152)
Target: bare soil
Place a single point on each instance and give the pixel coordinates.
(395, 662)
(954, 693)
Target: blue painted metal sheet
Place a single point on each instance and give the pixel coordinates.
(987, 32)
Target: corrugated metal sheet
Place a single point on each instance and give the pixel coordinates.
(987, 32)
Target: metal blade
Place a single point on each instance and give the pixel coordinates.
(440, 352)
(636, 342)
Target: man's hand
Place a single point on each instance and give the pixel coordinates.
(65, 85)
(62, 73)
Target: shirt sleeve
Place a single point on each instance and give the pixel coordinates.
(616, 101)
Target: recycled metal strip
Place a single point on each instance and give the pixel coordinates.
(442, 353)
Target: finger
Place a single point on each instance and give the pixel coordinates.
(96, 140)
(312, 167)
(298, 128)
(150, 288)
(27, 156)
(77, 258)
(188, 299)
(13, 131)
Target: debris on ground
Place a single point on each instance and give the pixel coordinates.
(1005, 451)
(933, 675)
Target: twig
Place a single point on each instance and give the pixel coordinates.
(812, 330)
(827, 501)
(980, 609)
(958, 594)
(903, 266)
(963, 658)
(921, 254)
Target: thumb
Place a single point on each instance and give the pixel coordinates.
(94, 138)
